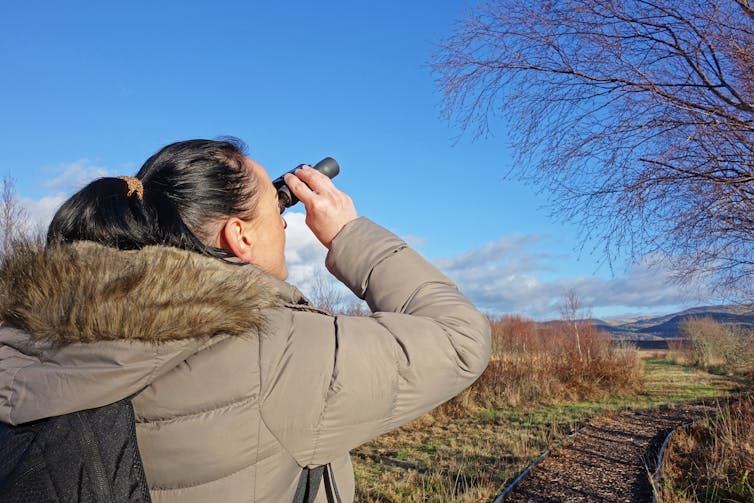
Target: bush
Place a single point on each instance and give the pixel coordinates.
(535, 363)
(713, 345)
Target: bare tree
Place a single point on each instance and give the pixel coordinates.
(12, 216)
(330, 295)
(575, 320)
(326, 293)
(637, 115)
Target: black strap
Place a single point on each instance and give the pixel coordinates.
(330, 488)
(308, 484)
(309, 481)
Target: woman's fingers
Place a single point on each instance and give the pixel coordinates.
(317, 181)
(299, 188)
(327, 208)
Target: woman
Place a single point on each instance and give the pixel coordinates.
(171, 285)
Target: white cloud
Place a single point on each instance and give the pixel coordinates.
(41, 211)
(648, 283)
(67, 179)
(505, 276)
(75, 175)
(305, 258)
(305, 255)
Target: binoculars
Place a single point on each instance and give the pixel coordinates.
(327, 166)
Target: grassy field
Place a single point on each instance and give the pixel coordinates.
(470, 457)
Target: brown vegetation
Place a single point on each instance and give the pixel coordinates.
(712, 460)
(536, 363)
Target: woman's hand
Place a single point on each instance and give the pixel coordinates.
(328, 209)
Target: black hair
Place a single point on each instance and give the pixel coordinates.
(189, 189)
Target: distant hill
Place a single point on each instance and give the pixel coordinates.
(664, 327)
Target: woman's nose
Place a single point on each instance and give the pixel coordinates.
(285, 224)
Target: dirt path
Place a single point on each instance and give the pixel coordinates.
(610, 460)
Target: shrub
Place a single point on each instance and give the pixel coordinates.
(537, 363)
(710, 344)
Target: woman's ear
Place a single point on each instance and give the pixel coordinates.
(235, 237)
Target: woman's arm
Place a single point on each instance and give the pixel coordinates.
(337, 382)
(424, 343)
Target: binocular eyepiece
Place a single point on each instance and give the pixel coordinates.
(327, 166)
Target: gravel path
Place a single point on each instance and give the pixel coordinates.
(610, 460)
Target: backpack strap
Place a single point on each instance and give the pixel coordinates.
(309, 481)
(330, 488)
(308, 484)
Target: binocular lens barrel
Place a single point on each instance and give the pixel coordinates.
(327, 166)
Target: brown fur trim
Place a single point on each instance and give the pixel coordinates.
(87, 292)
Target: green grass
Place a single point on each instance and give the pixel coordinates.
(472, 458)
(669, 382)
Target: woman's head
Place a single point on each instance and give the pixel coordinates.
(201, 195)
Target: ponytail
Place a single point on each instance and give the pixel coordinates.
(180, 197)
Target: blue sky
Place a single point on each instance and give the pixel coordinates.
(93, 88)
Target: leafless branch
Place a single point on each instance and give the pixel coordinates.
(638, 116)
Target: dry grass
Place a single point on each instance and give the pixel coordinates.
(450, 459)
(714, 460)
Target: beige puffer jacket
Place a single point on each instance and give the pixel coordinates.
(241, 382)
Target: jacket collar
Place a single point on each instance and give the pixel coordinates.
(87, 292)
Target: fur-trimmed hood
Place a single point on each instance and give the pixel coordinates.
(84, 325)
(87, 292)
